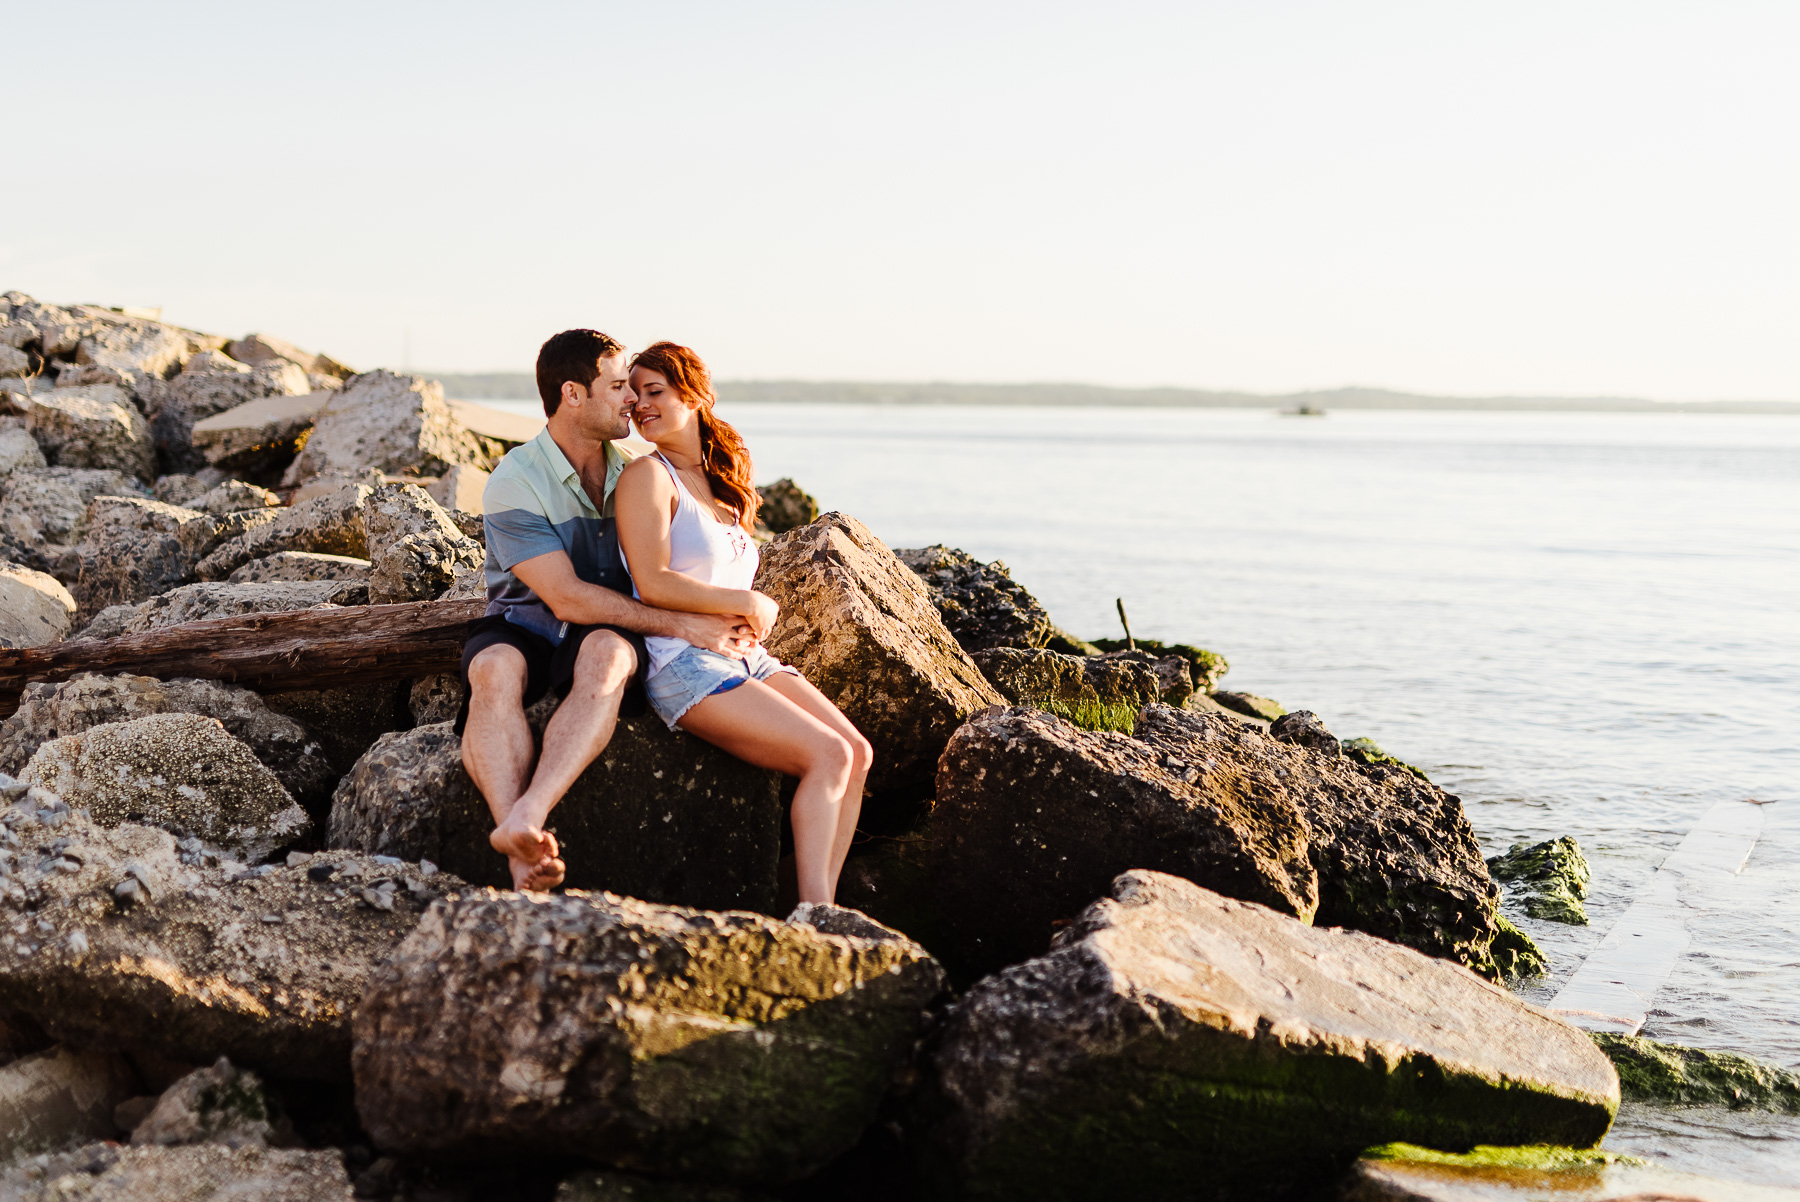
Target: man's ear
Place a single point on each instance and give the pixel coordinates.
(572, 393)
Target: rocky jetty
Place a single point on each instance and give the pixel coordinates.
(1114, 930)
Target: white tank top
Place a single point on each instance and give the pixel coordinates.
(702, 547)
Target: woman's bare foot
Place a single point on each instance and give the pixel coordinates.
(531, 852)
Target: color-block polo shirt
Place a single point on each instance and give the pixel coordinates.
(534, 504)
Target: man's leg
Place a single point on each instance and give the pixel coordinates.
(498, 747)
(577, 734)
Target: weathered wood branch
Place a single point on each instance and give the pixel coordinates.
(299, 649)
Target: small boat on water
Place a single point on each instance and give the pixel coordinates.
(1301, 411)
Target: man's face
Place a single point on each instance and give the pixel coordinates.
(603, 409)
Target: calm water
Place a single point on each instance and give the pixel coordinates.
(1583, 624)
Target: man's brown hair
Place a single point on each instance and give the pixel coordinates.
(573, 355)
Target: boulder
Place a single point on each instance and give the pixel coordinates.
(1249, 705)
(219, 1104)
(660, 815)
(414, 547)
(14, 362)
(51, 711)
(1196, 1046)
(197, 602)
(330, 524)
(178, 488)
(112, 939)
(730, 1047)
(1673, 1074)
(35, 608)
(1205, 667)
(1303, 728)
(460, 488)
(235, 496)
(302, 565)
(260, 436)
(861, 627)
(136, 548)
(1368, 751)
(395, 424)
(1395, 855)
(182, 772)
(1035, 817)
(1174, 676)
(19, 449)
(127, 354)
(41, 509)
(980, 602)
(436, 698)
(50, 1098)
(95, 427)
(212, 383)
(1095, 692)
(266, 349)
(1549, 879)
(197, 1173)
(784, 506)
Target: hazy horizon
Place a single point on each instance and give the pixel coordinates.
(1543, 200)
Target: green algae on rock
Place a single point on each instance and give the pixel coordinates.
(1368, 751)
(1207, 666)
(1250, 705)
(1674, 1074)
(1091, 692)
(1198, 1047)
(1527, 1156)
(1515, 954)
(1552, 878)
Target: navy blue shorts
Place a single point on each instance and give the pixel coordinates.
(549, 666)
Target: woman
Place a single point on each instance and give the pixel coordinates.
(684, 518)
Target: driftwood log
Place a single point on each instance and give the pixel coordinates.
(300, 649)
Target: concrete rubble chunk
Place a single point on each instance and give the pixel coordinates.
(262, 349)
(460, 488)
(1035, 817)
(1201, 1047)
(197, 602)
(95, 427)
(284, 746)
(331, 524)
(394, 424)
(414, 548)
(259, 435)
(35, 609)
(728, 1047)
(49, 1098)
(660, 815)
(14, 363)
(1395, 855)
(860, 626)
(136, 548)
(235, 496)
(42, 509)
(114, 938)
(218, 1104)
(19, 449)
(302, 565)
(182, 772)
(197, 1173)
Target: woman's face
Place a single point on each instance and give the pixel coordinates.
(659, 411)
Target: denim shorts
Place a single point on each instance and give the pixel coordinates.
(696, 674)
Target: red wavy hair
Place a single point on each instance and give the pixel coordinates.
(723, 455)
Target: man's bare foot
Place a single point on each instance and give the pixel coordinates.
(530, 851)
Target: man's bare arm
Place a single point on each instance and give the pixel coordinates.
(552, 577)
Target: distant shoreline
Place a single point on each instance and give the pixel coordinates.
(520, 386)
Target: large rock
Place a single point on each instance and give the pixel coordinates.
(1183, 1045)
(1092, 691)
(136, 548)
(212, 383)
(723, 1046)
(95, 427)
(1548, 879)
(52, 711)
(50, 1098)
(860, 626)
(35, 608)
(266, 350)
(111, 939)
(414, 547)
(19, 449)
(219, 1104)
(1395, 854)
(980, 602)
(396, 424)
(41, 509)
(331, 524)
(196, 1173)
(660, 816)
(182, 772)
(13, 362)
(302, 565)
(197, 602)
(1034, 819)
(235, 496)
(127, 354)
(258, 437)
(1205, 667)
(784, 506)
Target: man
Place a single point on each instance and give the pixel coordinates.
(560, 614)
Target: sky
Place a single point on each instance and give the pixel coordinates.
(1589, 198)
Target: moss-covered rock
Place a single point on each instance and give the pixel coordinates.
(1208, 667)
(1368, 751)
(981, 604)
(1531, 1156)
(1174, 1044)
(1674, 1074)
(1551, 878)
(1514, 953)
(1092, 692)
(725, 1047)
(1249, 705)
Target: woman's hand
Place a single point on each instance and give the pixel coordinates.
(763, 610)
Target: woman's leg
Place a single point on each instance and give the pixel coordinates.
(763, 727)
(801, 692)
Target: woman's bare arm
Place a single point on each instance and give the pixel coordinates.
(645, 502)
